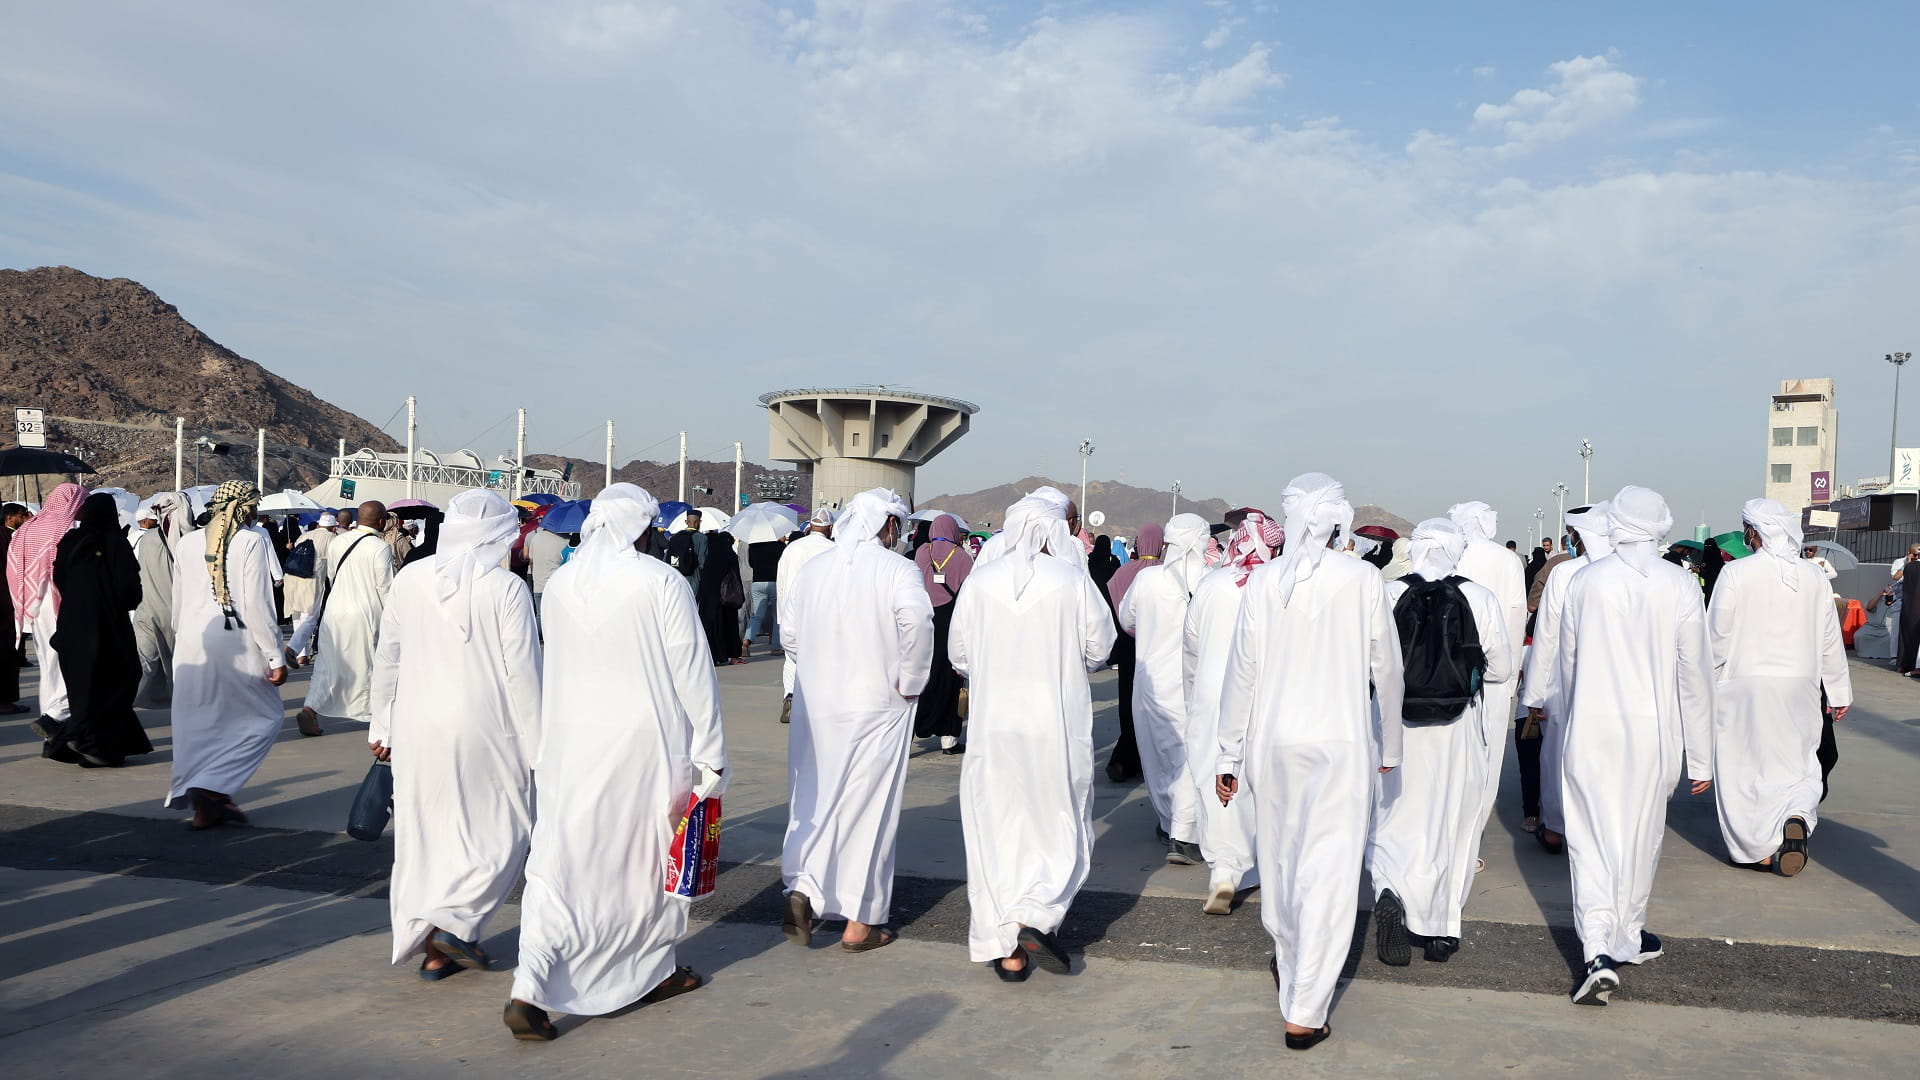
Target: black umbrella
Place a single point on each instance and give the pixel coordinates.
(26, 461)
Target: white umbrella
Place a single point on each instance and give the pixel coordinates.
(762, 523)
(711, 520)
(199, 497)
(124, 501)
(1839, 557)
(288, 501)
(933, 515)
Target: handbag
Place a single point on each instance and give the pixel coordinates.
(372, 804)
(693, 859)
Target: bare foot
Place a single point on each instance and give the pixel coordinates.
(435, 958)
(1296, 1029)
(1015, 962)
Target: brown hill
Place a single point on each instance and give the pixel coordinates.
(1127, 507)
(113, 364)
(662, 478)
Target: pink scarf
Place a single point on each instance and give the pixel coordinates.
(30, 555)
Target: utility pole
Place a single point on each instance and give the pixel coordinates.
(1540, 526)
(1586, 463)
(1898, 360)
(683, 467)
(179, 451)
(1176, 498)
(412, 430)
(1086, 451)
(1560, 492)
(609, 482)
(260, 461)
(735, 508)
(520, 456)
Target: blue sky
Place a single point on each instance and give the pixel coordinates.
(1422, 247)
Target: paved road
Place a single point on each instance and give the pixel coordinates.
(264, 948)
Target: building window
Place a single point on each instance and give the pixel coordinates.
(856, 438)
(885, 439)
(1783, 436)
(1807, 436)
(1782, 474)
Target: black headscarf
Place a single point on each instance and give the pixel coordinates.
(1103, 563)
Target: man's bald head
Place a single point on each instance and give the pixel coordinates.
(372, 514)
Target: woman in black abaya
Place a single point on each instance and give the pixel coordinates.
(98, 582)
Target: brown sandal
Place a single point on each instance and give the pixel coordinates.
(878, 937)
(684, 980)
(529, 1022)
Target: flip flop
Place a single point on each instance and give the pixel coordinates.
(1310, 1040)
(529, 1022)
(428, 974)
(796, 922)
(1008, 975)
(878, 937)
(684, 980)
(1042, 949)
(1793, 848)
(455, 949)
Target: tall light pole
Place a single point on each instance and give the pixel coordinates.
(1560, 492)
(1086, 451)
(1540, 526)
(1898, 360)
(1586, 464)
(1176, 498)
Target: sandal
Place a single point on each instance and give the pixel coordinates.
(529, 1022)
(796, 922)
(878, 937)
(309, 723)
(451, 967)
(1042, 949)
(684, 980)
(1793, 848)
(456, 949)
(1310, 1040)
(1008, 974)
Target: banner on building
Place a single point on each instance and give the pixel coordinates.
(1822, 487)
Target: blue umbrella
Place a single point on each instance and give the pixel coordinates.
(567, 517)
(669, 511)
(541, 498)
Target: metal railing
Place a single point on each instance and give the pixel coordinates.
(1871, 545)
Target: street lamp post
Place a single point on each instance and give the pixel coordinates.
(1586, 465)
(1086, 451)
(1540, 526)
(1560, 492)
(1176, 498)
(1898, 360)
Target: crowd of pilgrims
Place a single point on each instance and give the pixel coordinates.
(1297, 715)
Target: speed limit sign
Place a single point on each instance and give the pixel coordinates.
(30, 427)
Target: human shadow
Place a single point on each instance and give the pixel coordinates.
(871, 1047)
(1866, 860)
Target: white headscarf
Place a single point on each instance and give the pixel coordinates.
(1638, 524)
(1399, 566)
(1363, 546)
(619, 515)
(1436, 547)
(478, 532)
(1036, 525)
(1041, 504)
(1314, 505)
(1476, 519)
(1780, 536)
(173, 515)
(1591, 523)
(865, 515)
(1186, 553)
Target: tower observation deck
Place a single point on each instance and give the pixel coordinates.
(849, 440)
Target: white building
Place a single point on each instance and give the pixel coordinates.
(1803, 428)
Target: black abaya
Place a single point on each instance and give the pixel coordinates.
(938, 711)
(1909, 616)
(720, 620)
(99, 583)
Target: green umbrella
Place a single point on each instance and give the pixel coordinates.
(1734, 544)
(1690, 545)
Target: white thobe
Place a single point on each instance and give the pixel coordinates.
(1505, 575)
(1542, 687)
(226, 714)
(1636, 675)
(53, 685)
(303, 595)
(1299, 730)
(1226, 832)
(153, 621)
(1026, 786)
(1426, 825)
(860, 632)
(1154, 611)
(1773, 650)
(798, 553)
(630, 709)
(463, 720)
(359, 572)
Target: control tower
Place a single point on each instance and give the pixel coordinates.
(849, 440)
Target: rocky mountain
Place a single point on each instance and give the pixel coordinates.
(662, 478)
(113, 364)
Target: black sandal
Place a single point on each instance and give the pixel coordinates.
(684, 980)
(1310, 1040)
(1793, 848)
(878, 937)
(1044, 950)
(529, 1022)
(797, 920)
(1009, 975)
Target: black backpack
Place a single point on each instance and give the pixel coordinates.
(1440, 648)
(300, 560)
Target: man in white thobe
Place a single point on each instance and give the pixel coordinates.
(1026, 632)
(1426, 832)
(1776, 644)
(817, 541)
(860, 630)
(303, 594)
(1636, 676)
(1488, 564)
(341, 638)
(1298, 729)
(1226, 829)
(456, 709)
(630, 730)
(1587, 526)
(1154, 611)
(228, 659)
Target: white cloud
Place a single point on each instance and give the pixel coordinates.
(1215, 90)
(1587, 91)
(619, 26)
(1217, 36)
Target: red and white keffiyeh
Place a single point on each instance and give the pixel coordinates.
(30, 556)
(1252, 545)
